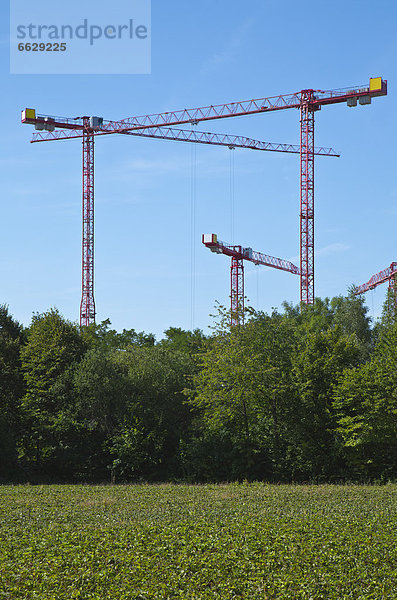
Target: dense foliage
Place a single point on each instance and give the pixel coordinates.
(308, 394)
(213, 542)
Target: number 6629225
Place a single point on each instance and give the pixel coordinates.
(42, 47)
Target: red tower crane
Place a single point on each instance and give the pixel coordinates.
(238, 255)
(389, 274)
(59, 128)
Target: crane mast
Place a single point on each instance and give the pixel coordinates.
(87, 304)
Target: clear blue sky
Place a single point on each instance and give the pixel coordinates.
(204, 53)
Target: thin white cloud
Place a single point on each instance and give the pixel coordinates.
(332, 249)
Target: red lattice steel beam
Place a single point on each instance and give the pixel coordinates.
(87, 305)
(237, 292)
(388, 274)
(187, 135)
(307, 199)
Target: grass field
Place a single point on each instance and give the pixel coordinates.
(198, 542)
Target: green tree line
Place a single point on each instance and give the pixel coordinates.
(306, 394)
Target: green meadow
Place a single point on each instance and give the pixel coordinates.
(146, 542)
